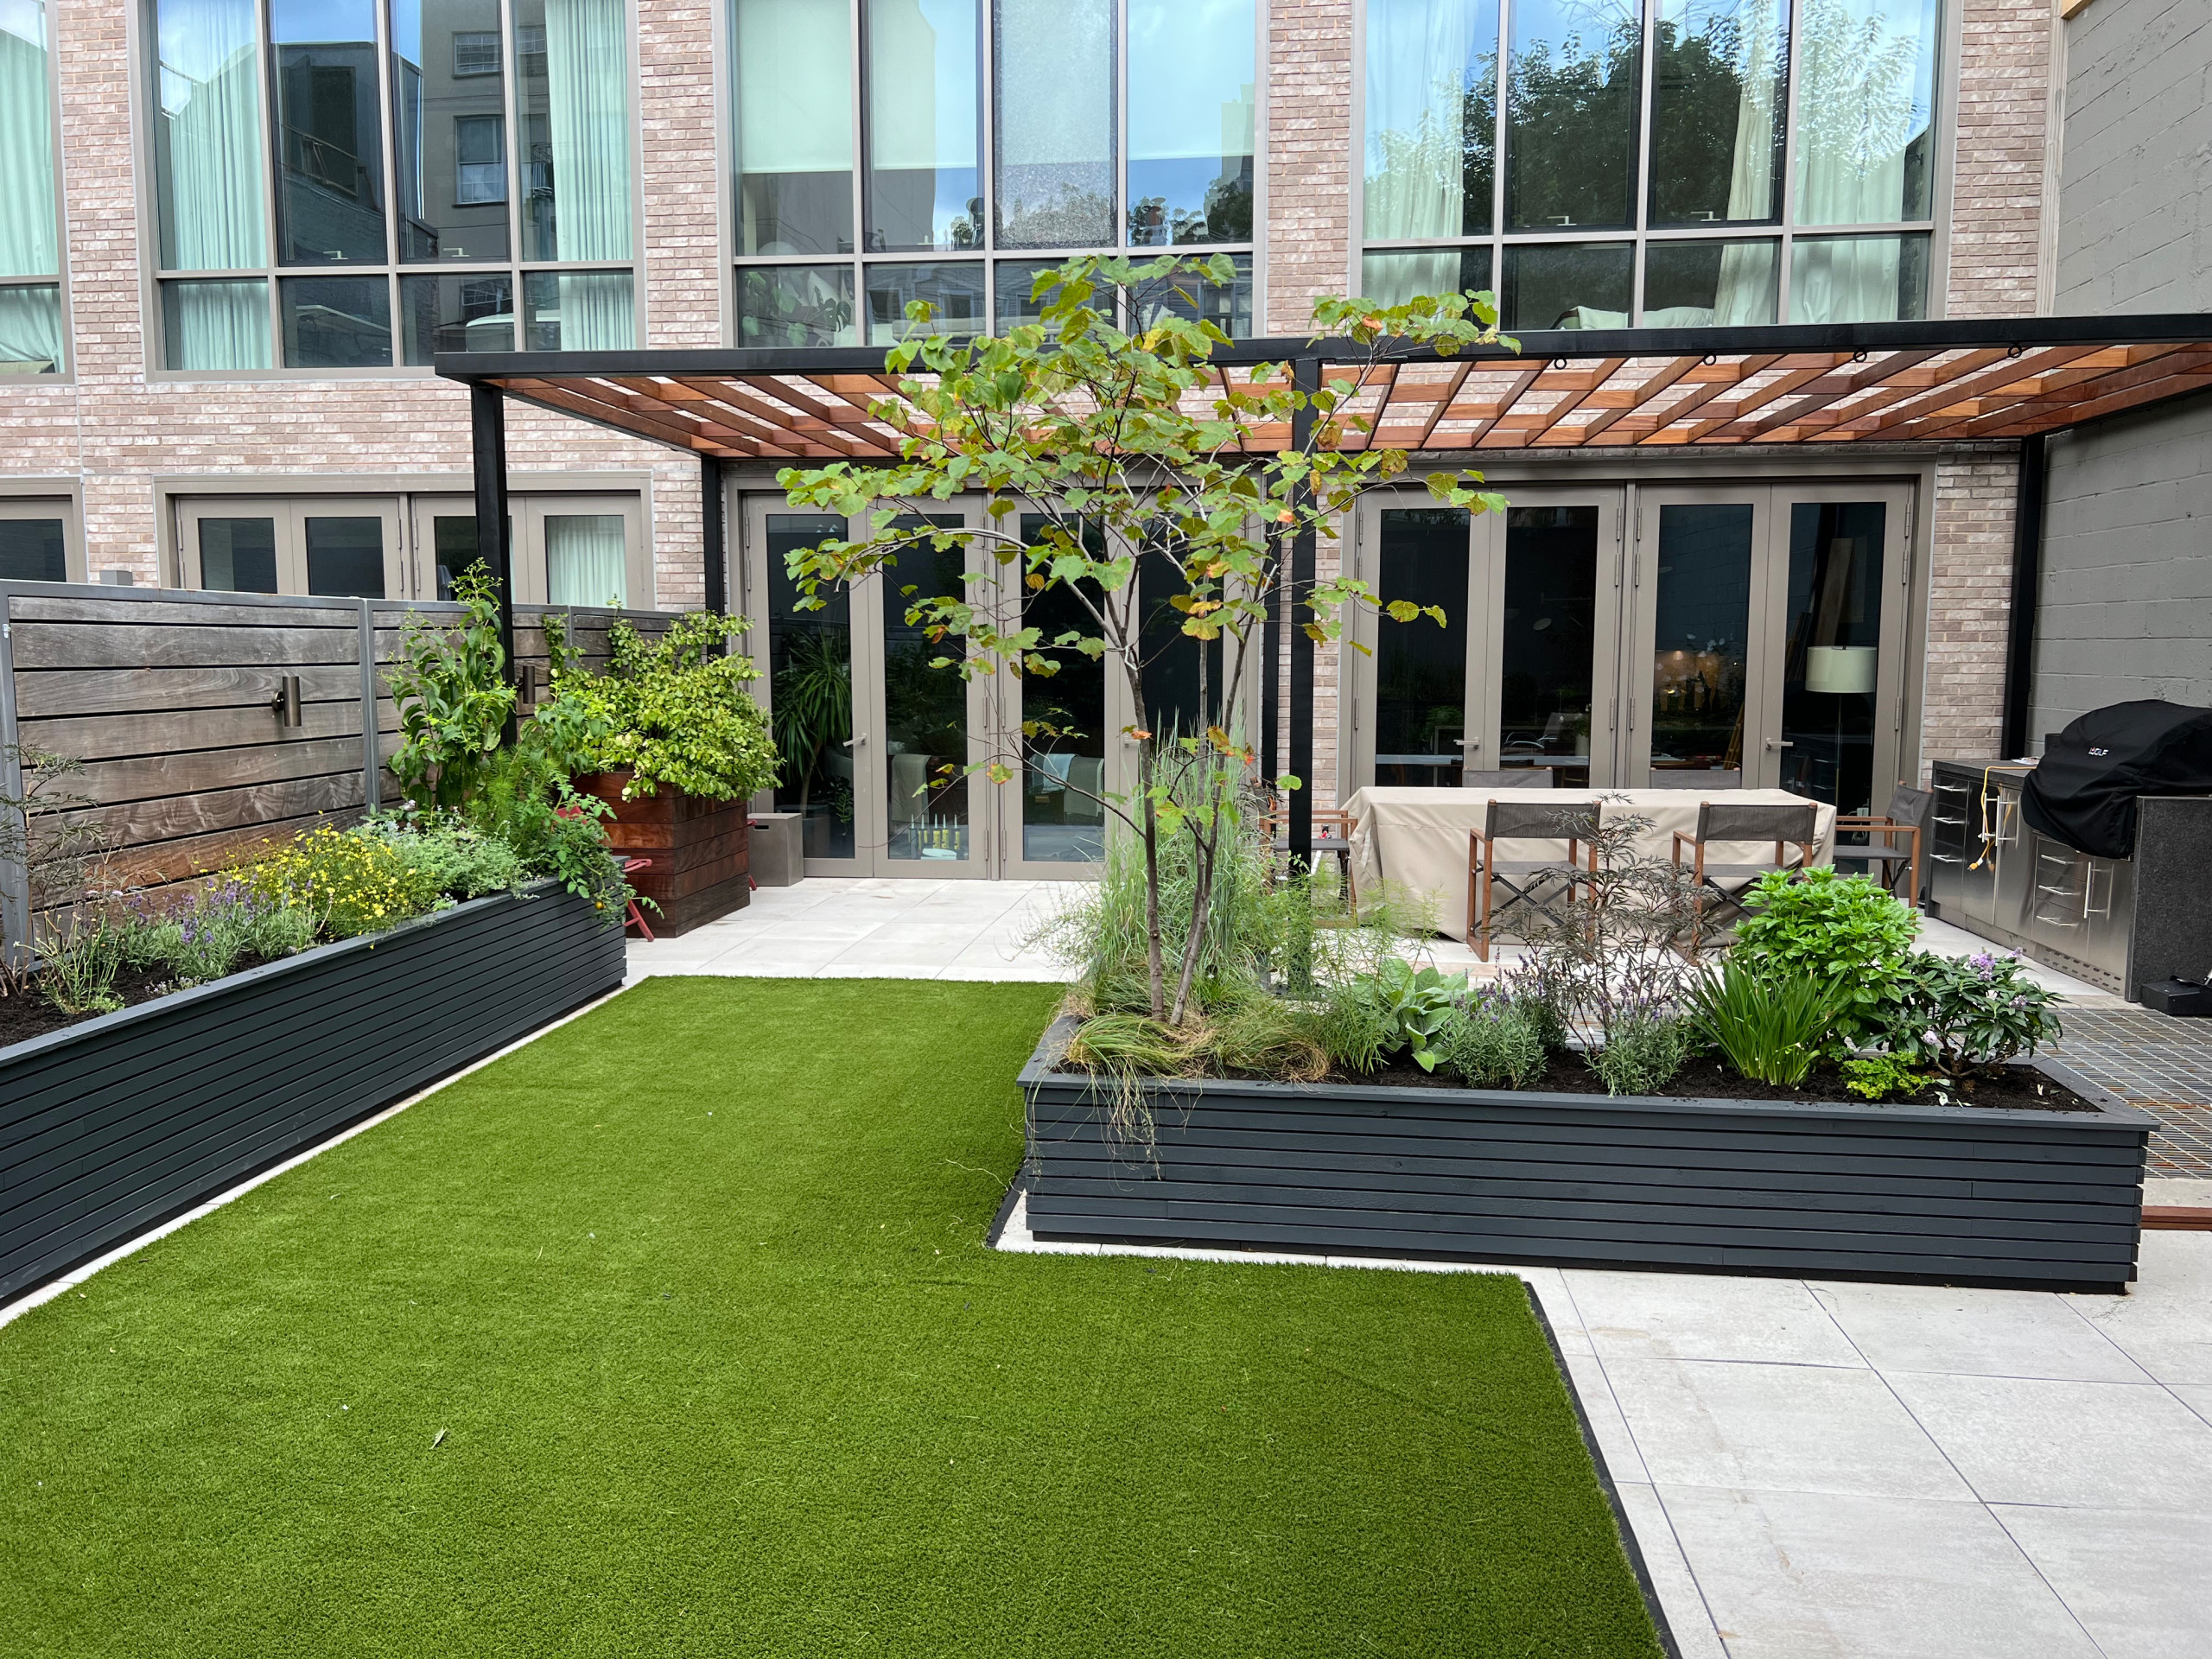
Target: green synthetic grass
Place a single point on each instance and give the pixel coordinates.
(695, 1288)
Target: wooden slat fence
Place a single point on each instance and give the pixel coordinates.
(168, 698)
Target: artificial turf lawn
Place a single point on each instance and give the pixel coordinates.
(696, 1286)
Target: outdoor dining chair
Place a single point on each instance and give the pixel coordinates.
(1906, 817)
(633, 917)
(1796, 826)
(1531, 884)
(1331, 836)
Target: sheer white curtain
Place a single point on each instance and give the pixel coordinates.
(1864, 96)
(588, 83)
(1419, 53)
(29, 239)
(212, 213)
(584, 560)
(1747, 288)
(795, 85)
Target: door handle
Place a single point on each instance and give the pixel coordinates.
(1774, 744)
(1470, 744)
(855, 740)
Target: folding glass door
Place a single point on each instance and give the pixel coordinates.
(588, 551)
(1766, 628)
(1520, 674)
(877, 741)
(327, 545)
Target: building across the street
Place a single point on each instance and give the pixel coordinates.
(235, 233)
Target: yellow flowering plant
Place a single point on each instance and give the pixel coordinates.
(351, 883)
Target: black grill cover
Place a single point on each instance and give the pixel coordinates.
(2083, 794)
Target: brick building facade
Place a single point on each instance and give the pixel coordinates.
(123, 443)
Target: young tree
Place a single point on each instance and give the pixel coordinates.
(1131, 453)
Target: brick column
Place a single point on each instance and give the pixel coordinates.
(1969, 599)
(1997, 190)
(1308, 159)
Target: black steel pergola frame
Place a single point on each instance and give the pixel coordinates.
(485, 372)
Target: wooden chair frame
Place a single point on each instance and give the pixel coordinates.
(1889, 828)
(1482, 875)
(1698, 839)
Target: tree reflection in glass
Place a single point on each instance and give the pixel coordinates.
(1570, 109)
(1719, 100)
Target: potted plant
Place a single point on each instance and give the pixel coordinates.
(673, 742)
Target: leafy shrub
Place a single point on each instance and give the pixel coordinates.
(1642, 1054)
(465, 861)
(210, 933)
(1772, 1029)
(1395, 1008)
(1841, 931)
(350, 883)
(1959, 1013)
(1878, 1077)
(1495, 1042)
(673, 712)
(451, 687)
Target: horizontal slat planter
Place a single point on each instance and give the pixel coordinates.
(111, 1127)
(1911, 1193)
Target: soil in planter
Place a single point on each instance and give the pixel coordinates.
(2013, 1088)
(26, 1014)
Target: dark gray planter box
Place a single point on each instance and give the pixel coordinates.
(1960, 1195)
(111, 1127)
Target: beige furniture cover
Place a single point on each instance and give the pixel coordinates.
(1416, 839)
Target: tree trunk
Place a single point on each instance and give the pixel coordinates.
(1155, 971)
(1206, 842)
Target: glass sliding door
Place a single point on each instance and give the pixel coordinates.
(1421, 671)
(1550, 623)
(1767, 629)
(1072, 739)
(937, 817)
(807, 675)
(336, 547)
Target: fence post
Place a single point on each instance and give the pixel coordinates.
(369, 766)
(14, 877)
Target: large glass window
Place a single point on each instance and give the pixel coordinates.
(1541, 163)
(30, 229)
(422, 134)
(861, 162)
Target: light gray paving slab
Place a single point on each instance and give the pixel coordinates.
(1680, 1599)
(1825, 1575)
(1692, 1316)
(2038, 1440)
(1607, 1426)
(2165, 1322)
(1778, 1428)
(2139, 1580)
(1983, 1332)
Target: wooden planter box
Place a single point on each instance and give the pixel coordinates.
(113, 1126)
(700, 851)
(1960, 1195)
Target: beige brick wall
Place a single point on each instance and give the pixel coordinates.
(1309, 157)
(1969, 588)
(119, 432)
(1998, 190)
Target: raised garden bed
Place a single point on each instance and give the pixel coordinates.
(2047, 1198)
(699, 849)
(113, 1125)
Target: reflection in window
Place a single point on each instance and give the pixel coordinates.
(1016, 282)
(1054, 91)
(1719, 104)
(574, 98)
(1830, 676)
(1691, 284)
(1420, 670)
(1394, 278)
(1571, 113)
(1701, 640)
(238, 556)
(1227, 305)
(577, 311)
(956, 291)
(1064, 780)
(1546, 671)
(329, 142)
(33, 550)
(796, 305)
(346, 557)
(336, 322)
(456, 314)
(811, 691)
(1567, 285)
(449, 133)
(925, 708)
(924, 126)
(1857, 278)
(1191, 121)
(795, 126)
(1865, 111)
(1432, 120)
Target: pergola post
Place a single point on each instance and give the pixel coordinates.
(487, 424)
(712, 537)
(2016, 738)
(1306, 378)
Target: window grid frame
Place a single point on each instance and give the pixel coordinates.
(146, 70)
(1784, 231)
(64, 372)
(988, 254)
